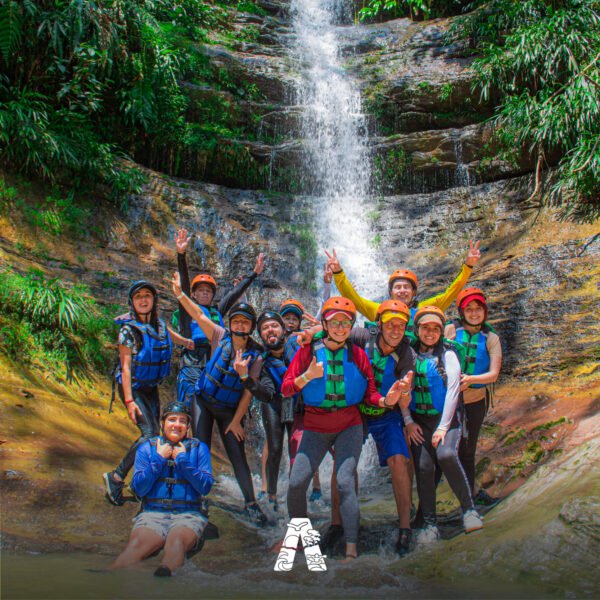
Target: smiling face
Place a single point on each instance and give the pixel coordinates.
(240, 324)
(270, 332)
(338, 326)
(143, 301)
(203, 294)
(403, 290)
(474, 313)
(393, 331)
(175, 427)
(430, 334)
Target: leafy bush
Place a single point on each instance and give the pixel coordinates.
(540, 63)
(85, 84)
(44, 320)
(370, 10)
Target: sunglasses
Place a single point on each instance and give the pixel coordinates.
(335, 323)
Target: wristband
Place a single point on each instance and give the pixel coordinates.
(466, 265)
(404, 393)
(128, 401)
(244, 377)
(305, 378)
(180, 296)
(386, 404)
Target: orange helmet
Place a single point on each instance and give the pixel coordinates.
(403, 274)
(339, 304)
(204, 278)
(436, 314)
(396, 308)
(468, 294)
(291, 306)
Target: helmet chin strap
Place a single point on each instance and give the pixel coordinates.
(240, 334)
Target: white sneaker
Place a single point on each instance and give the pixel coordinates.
(428, 535)
(472, 521)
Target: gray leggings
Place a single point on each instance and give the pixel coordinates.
(445, 456)
(313, 448)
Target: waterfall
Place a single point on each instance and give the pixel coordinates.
(334, 132)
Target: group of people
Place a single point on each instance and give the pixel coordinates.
(413, 380)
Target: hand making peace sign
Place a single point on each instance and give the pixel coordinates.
(473, 255)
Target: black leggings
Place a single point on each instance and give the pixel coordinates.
(209, 413)
(148, 423)
(445, 456)
(275, 430)
(474, 414)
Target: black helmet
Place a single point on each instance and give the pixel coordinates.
(136, 286)
(272, 315)
(269, 315)
(245, 310)
(176, 407)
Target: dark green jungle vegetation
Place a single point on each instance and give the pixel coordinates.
(85, 84)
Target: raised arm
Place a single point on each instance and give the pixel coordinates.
(207, 326)
(232, 297)
(446, 298)
(368, 308)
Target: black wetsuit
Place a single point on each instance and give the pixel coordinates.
(269, 393)
(192, 362)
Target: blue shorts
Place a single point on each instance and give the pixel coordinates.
(388, 433)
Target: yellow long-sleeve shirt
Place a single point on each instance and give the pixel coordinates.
(369, 308)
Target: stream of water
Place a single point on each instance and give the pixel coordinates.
(335, 140)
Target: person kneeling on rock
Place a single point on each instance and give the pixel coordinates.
(172, 473)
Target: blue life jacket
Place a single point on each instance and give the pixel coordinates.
(276, 367)
(153, 362)
(172, 492)
(219, 383)
(431, 381)
(198, 335)
(290, 348)
(342, 384)
(477, 359)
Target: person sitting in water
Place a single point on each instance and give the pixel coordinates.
(172, 474)
(403, 285)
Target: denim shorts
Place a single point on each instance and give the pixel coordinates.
(163, 522)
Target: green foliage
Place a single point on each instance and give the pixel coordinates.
(383, 10)
(86, 84)
(514, 436)
(390, 168)
(446, 91)
(57, 214)
(540, 63)
(46, 322)
(551, 424)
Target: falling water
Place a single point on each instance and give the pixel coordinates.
(335, 138)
